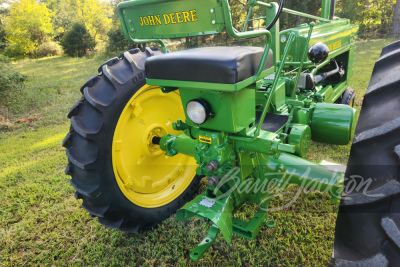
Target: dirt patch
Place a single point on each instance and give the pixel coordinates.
(7, 125)
(29, 119)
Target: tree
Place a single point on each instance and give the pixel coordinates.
(395, 28)
(28, 24)
(77, 40)
(117, 40)
(95, 14)
(3, 12)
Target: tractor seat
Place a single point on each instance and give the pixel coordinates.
(227, 65)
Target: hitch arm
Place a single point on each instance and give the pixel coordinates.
(199, 251)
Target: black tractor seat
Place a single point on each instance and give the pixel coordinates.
(227, 65)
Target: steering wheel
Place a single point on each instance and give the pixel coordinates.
(254, 2)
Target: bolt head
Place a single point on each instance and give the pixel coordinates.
(213, 22)
(213, 180)
(212, 166)
(212, 10)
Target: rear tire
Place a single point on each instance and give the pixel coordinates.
(368, 224)
(94, 120)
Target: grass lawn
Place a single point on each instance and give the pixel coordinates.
(41, 223)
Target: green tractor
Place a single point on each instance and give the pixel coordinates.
(152, 124)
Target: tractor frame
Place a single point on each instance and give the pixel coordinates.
(232, 149)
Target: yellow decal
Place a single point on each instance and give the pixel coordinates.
(205, 139)
(170, 18)
(335, 45)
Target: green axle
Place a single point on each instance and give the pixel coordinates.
(294, 96)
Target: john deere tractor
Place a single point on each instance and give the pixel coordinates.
(153, 123)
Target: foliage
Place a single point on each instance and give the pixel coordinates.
(10, 80)
(117, 40)
(2, 37)
(62, 20)
(3, 12)
(93, 13)
(77, 40)
(48, 49)
(27, 25)
(373, 16)
(306, 6)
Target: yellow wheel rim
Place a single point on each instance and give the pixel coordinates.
(144, 174)
(352, 102)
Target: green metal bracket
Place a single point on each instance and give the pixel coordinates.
(167, 89)
(180, 125)
(249, 230)
(219, 211)
(207, 242)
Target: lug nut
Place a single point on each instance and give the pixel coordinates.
(212, 166)
(213, 180)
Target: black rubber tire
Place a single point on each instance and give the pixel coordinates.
(368, 224)
(93, 122)
(347, 98)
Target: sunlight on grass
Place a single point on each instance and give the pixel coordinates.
(50, 141)
(6, 172)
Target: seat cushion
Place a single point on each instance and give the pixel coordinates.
(228, 65)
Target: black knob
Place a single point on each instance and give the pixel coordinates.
(318, 52)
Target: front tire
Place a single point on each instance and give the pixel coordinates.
(125, 181)
(348, 97)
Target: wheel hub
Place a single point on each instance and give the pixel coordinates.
(152, 149)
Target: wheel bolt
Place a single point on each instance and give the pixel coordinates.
(213, 180)
(212, 166)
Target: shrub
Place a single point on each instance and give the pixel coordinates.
(19, 50)
(77, 41)
(2, 37)
(9, 79)
(10, 83)
(48, 49)
(117, 41)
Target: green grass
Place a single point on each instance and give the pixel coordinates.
(41, 223)
(52, 87)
